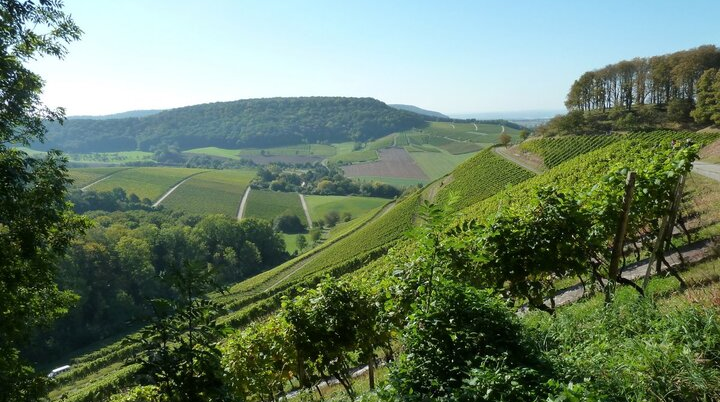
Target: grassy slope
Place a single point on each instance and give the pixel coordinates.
(269, 204)
(319, 205)
(146, 182)
(213, 192)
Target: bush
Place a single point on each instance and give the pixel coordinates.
(467, 342)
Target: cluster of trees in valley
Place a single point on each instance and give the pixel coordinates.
(643, 93)
(122, 259)
(243, 123)
(321, 180)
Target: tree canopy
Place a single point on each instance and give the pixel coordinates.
(242, 123)
(36, 223)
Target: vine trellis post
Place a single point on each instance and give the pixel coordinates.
(619, 241)
(664, 235)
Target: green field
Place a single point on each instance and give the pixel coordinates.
(112, 157)
(269, 204)
(146, 182)
(319, 205)
(84, 176)
(213, 192)
(300, 150)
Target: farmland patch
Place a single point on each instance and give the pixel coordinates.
(393, 162)
(215, 192)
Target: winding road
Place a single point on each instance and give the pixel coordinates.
(709, 170)
(243, 203)
(174, 188)
(305, 208)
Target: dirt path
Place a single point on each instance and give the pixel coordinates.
(305, 208)
(164, 196)
(516, 159)
(692, 253)
(502, 131)
(709, 170)
(243, 203)
(304, 262)
(101, 179)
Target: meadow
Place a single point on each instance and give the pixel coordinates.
(212, 192)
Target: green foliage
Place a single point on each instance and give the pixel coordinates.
(480, 177)
(708, 98)
(250, 123)
(288, 223)
(36, 224)
(178, 351)
(555, 151)
(143, 393)
(465, 344)
(633, 350)
(259, 359)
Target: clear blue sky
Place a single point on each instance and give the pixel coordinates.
(450, 56)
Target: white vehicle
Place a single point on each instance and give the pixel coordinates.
(58, 370)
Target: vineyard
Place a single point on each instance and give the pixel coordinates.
(481, 185)
(212, 192)
(480, 177)
(270, 204)
(146, 182)
(556, 150)
(84, 176)
(320, 205)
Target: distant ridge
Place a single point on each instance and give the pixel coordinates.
(253, 123)
(415, 109)
(122, 115)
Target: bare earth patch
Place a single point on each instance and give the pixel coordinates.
(393, 162)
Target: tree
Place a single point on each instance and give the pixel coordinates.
(332, 218)
(524, 134)
(301, 242)
(288, 223)
(179, 350)
(36, 223)
(504, 139)
(708, 98)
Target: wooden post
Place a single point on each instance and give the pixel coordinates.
(619, 241)
(666, 228)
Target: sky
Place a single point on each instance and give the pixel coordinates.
(456, 57)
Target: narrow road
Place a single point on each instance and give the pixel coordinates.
(101, 179)
(505, 153)
(691, 254)
(305, 208)
(243, 203)
(709, 170)
(173, 189)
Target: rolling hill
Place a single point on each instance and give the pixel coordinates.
(237, 124)
(418, 110)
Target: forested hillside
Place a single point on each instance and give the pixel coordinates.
(237, 124)
(675, 90)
